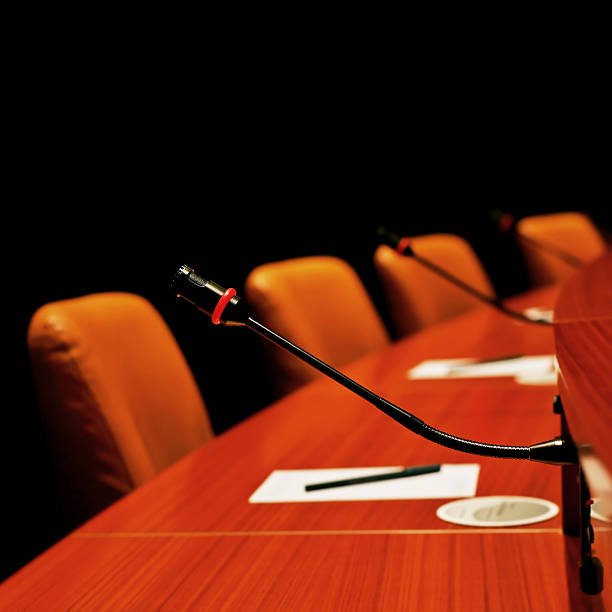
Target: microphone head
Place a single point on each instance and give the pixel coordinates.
(222, 305)
(387, 237)
(504, 220)
(397, 243)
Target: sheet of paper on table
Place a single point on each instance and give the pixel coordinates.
(528, 369)
(453, 480)
(542, 314)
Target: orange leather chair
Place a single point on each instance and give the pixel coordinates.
(415, 295)
(320, 304)
(117, 397)
(570, 232)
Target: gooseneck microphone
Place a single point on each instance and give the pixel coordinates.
(226, 308)
(506, 224)
(403, 247)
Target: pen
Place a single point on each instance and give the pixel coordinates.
(411, 471)
(491, 360)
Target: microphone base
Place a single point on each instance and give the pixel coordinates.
(560, 451)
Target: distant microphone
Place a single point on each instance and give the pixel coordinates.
(403, 247)
(226, 308)
(506, 224)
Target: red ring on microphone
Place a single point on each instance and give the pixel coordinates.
(403, 244)
(506, 222)
(221, 304)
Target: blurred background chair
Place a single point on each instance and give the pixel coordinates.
(320, 304)
(570, 232)
(117, 397)
(416, 296)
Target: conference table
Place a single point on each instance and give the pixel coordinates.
(190, 539)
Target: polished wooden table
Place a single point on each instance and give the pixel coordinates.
(190, 540)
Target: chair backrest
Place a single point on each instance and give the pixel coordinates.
(116, 395)
(320, 304)
(571, 232)
(416, 296)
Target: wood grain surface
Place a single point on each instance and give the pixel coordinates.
(508, 571)
(583, 336)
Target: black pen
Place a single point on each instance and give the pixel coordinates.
(490, 360)
(411, 471)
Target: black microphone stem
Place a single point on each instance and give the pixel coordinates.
(226, 308)
(505, 223)
(496, 303)
(394, 242)
(556, 451)
(564, 256)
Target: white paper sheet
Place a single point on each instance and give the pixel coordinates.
(529, 369)
(453, 480)
(539, 314)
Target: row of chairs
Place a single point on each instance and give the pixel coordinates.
(322, 305)
(120, 403)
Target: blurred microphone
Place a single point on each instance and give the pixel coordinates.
(226, 308)
(506, 224)
(403, 247)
